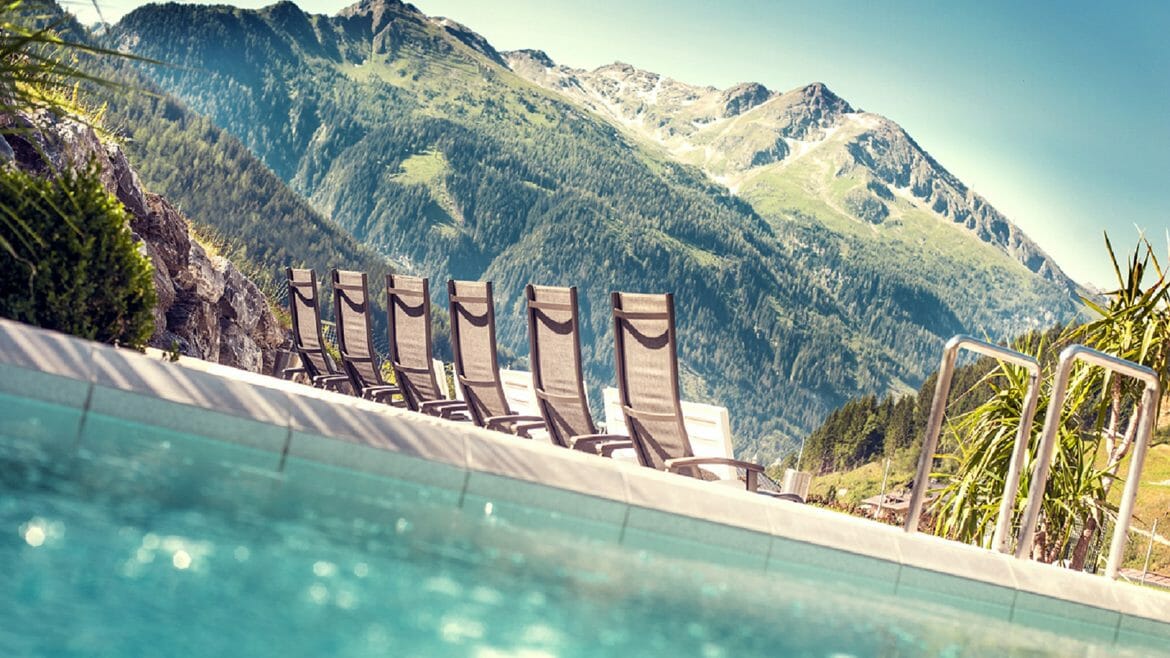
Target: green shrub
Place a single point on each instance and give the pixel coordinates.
(75, 268)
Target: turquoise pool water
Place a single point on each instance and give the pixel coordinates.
(140, 542)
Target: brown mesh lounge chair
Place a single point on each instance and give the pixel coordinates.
(554, 342)
(307, 339)
(408, 311)
(352, 307)
(648, 390)
(473, 342)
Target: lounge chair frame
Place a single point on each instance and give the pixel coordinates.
(686, 463)
(412, 295)
(316, 364)
(477, 405)
(358, 356)
(555, 405)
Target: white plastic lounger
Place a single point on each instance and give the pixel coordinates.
(519, 392)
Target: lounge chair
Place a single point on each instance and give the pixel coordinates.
(648, 390)
(307, 339)
(708, 429)
(473, 342)
(554, 340)
(352, 308)
(408, 315)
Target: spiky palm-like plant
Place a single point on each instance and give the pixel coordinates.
(1100, 412)
(1134, 325)
(39, 70)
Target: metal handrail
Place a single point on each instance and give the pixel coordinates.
(1146, 411)
(1000, 540)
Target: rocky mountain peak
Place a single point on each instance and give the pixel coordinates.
(537, 56)
(818, 89)
(381, 14)
(379, 8)
(742, 97)
(470, 38)
(820, 96)
(617, 67)
(284, 7)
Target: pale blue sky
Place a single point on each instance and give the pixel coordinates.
(1057, 112)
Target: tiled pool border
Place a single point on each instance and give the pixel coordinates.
(291, 420)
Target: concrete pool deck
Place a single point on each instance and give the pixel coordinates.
(84, 382)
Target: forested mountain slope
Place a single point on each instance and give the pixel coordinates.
(232, 198)
(415, 135)
(231, 193)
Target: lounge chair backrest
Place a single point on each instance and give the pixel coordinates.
(647, 377)
(305, 310)
(351, 303)
(708, 429)
(555, 354)
(473, 342)
(408, 311)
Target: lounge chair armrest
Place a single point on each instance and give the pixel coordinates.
(379, 393)
(449, 409)
(461, 414)
(338, 383)
(752, 480)
(500, 422)
(607, 449)
(596, 443)
(289, 372)
(442, 407)
(523, 429)
(673, 464)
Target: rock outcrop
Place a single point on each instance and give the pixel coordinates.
(206, 307)
(896, 160)
(742, 97)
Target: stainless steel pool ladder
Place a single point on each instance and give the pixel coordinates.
(1151, 393)
(1000, 540)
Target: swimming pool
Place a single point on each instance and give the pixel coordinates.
(136, 525)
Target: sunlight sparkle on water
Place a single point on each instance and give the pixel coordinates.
(318, 593)
(34, 535)
(456, 629)
(36, 531)
(181, 559)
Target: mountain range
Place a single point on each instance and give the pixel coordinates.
(751, 139)
(816, 251)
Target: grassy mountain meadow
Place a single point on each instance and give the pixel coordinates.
(816, 252)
